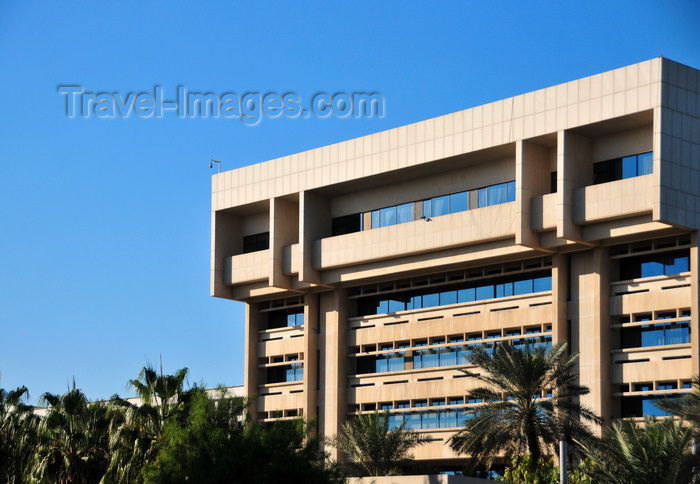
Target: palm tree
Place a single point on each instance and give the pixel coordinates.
(166, 393)
(72, 445)
(529, 404)
(137, 429)
(17, 435)
(657, 452)
(375, 448)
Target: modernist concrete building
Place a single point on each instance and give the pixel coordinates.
(370, 267)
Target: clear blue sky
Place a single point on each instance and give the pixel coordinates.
(106, 222)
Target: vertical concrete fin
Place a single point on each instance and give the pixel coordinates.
(226, 241)
(314, 224)
(574, 171)
(284, 231)
(532, 179)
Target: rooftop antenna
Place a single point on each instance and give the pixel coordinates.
(211, 164)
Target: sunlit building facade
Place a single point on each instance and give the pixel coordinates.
(370, 268)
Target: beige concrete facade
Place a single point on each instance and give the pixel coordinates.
(342, 313)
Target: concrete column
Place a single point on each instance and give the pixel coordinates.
(314, 224)
(658, 209)
(333, 364)
(560, 283)
(251, 371)
(284, 231)
(574, 170)
(695, 303)
(591, 289)
(311, 331)
(226, 240)
(531, 180)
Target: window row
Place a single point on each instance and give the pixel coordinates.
(440, 340)
(652, 265)
(623, 168)
(660, 334)
(437, 357)
(433, 207)
(282, 318)
(455, 294)
(645, 405)
(428, 419)
(285, 373)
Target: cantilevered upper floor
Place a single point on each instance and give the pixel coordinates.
(574, 165)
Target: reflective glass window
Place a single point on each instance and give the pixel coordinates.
(381, 364)
(448, 356)
(511, 191)
(459, 202)
(645, 163)
(542, 284)
(375, 219)
(430, 359)
(629, 167)
(484, 292)
(466, 295)
(676, 265)
(652, 268)
(678, 334)
(395, 420)
(396, 305)
(387, 216)
(522, 287)
(404, 213)
(427, 208)
(440, 206)
(413, 420)
(431, 300)
(416, 302)
(430, 420)
(395, 362)
(497, 194)
(504, 289)
(483, 198)
(448, 297)
(649, 408)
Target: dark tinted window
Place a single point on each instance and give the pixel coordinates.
(256, 242)
(346, 224)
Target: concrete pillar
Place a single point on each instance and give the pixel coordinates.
(284, 231)
(314, 224)
(250, 378)
(590, 298)
(695, 303)
(574, 170)
(311, 331)
(333, 364)
(560, 289)
(532, 179)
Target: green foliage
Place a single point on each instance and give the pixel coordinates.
(137, 429)
(18, 427)
(176, 435)
(655, 452)
(72, 441)
(522, 471)
(514, 419)
(215, 446)
(374, 448)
